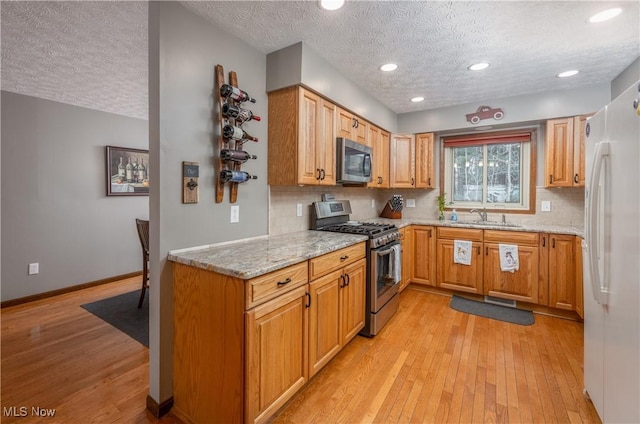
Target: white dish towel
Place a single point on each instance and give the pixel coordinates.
(462, 252)
(395, 270)
(509, 261)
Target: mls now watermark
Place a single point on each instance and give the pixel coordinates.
(23, 411)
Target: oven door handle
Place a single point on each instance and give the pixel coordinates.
(384, 252)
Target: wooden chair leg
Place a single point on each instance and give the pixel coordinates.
(145, 277)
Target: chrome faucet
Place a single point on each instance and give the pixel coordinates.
(483, 213)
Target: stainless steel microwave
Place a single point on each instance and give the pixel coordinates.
(353, 162)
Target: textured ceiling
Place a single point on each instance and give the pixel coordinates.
(94, 54)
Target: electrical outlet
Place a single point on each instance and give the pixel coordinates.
(373, 203)
(411, 203)
(299, 209)
(546, 206)
(235, 214)
(34, 268)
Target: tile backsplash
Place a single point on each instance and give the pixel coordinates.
(567, 206)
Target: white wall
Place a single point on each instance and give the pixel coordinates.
(55, 210)
(629, 76)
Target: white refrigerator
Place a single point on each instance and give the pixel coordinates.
(611, 260)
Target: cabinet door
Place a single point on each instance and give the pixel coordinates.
(579, 136)
(425, 173)
(424, 265)
(559, 153)
(327, 143)
(361, 131)
(518, 285)
(308, 124)
(277, 352)
(346, 124)
(379, 143)
(324, 320)
(562, 272)
(402, 161)
(406, 243)
(467, 278)
(352, 299)
(579, 283)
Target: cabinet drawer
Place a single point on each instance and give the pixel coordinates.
(334, 260)
(460, 233)
(513, 237)
(260, 289)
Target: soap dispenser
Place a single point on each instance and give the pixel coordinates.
(454, 215)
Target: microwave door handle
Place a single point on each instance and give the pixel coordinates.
(366, 165)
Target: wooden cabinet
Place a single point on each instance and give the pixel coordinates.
(455, 276)
(579, 282)
(302, 133)
(424, 163)
(521, 285)
(406, 245)
(402, 161)
(562, 271)
(276, 360)
(352, 127)
(424, 266)
(336, 308)
(564, 152)
(379, 143)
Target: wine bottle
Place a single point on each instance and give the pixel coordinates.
(136, 171)
(236, 133)
(238, 113)
(229, 91)
(236, 155)
(121, 169)
(129, 171)
(236, 176)
(142, 171)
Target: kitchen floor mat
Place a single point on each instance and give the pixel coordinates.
(488, 310)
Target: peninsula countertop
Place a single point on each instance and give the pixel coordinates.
(250, 258)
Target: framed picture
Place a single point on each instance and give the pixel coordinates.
(127, 171)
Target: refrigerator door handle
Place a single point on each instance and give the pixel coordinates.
(600, 293)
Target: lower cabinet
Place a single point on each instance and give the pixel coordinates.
(424, 247)
(519, 285)
(406, 244)
(336, 312)
(243, 348)
(455, 276)
(276, 360)
(562, 271)
(579, 276)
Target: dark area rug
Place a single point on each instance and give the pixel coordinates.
(122, 312)
(488, 310)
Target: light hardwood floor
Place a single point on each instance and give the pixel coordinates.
(430, 364)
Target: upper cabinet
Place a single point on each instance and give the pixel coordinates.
(411, 163)
(302, 138)
(352, 127)
(564, 152)
(379, 143)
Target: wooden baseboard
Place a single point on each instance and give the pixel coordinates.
(39, 296)
(159, 410)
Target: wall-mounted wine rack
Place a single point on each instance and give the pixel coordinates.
(232, 144)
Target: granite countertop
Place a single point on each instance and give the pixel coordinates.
(537, 228)
(257, 256)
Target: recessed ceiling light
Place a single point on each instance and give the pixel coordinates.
(331, 4)
(388, 67)
(417, 99)
(567, 73)
(478, 66)
(605, 15)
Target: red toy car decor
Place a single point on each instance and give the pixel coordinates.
(485, 112)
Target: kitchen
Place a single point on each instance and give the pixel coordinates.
(253, 200)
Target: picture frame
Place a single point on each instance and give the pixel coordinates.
(127, 171)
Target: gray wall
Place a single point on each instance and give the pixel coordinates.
(627, 77)
(517, 109)
(54, 209)
(300, 64)
(183, 52)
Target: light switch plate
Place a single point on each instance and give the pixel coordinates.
(34, 268)
(235, 214)
(299, 209)
(411, 203)
(546, 206)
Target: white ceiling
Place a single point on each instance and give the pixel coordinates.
(94, 54)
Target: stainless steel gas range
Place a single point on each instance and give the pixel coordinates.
(384, 259)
